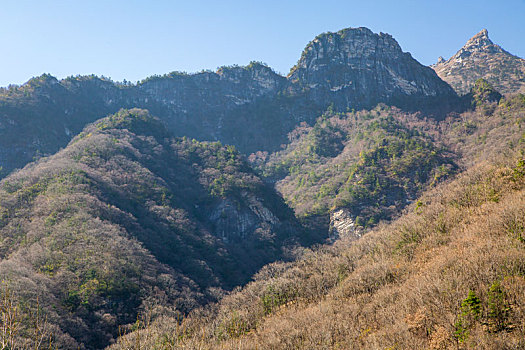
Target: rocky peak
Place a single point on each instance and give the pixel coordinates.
(478, 43)
(343, 46)
(357, 68)
(481, 58)
(482, 38)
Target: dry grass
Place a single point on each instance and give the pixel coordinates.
(399, 287)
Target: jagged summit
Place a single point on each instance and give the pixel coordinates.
(482, 35)
(480, 43)
(482, 58)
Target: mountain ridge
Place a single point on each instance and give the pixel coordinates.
(250, 107)
(125, 230)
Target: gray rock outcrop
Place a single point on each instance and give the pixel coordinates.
(342, 225)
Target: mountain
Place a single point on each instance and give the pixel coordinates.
(124, 230)
(481, 58)
(356, 68)
(127, 217)
(447, 274)
(252, 107)
(200, 220)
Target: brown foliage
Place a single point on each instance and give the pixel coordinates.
(401, 286)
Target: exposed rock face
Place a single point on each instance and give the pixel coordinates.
(213, 106)
(342, 225)
(234, 223)
(202, 101)
(358, 68)
(481, 58)
(230, 222)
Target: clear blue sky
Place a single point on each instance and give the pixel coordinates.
(132, 39)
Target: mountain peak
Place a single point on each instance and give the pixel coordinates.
(479, 58)
(484, 33)
(480, 42)
(358, 68)
(136, 120)
(357, 38)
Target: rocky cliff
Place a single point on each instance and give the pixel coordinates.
(342, 225)
(481, 58)
(358, 68)
(198, 104)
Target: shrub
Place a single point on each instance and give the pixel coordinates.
(498, 308)
(470, 312)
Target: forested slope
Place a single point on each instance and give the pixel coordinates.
(448, 273)
(128, 216)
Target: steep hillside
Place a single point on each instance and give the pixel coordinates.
(353, 170)
(251, 107)
(127, 216)
(481, 58)
(449, 273)
(493, 130)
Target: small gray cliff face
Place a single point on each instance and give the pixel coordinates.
(358, 68)
(342, 225)
(234, 222)
(481, 58)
